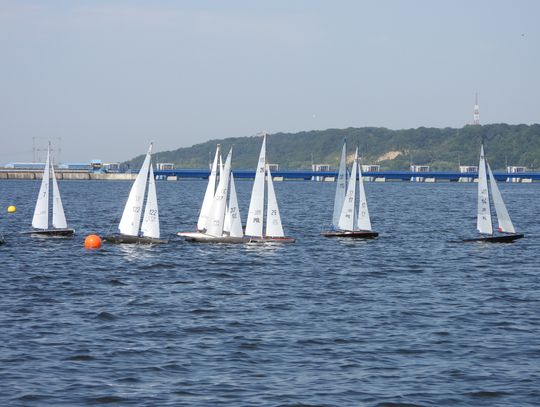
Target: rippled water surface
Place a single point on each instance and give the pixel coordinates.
(405, 320)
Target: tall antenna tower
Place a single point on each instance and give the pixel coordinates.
(476, 111)
(38, 149)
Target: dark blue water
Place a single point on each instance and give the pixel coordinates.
(404, 320)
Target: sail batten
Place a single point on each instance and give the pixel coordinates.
(483, 219)
(503, 218)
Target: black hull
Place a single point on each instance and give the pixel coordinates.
(230, 240)
(497, 239)
(51, 233)
(357, 234)
(125, 239)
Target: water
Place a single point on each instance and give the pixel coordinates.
(405, 320)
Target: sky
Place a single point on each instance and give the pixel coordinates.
(101, 79)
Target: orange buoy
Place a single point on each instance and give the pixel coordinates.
(12, 209)
(92, 242)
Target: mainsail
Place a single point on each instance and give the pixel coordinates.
(341, 186)
(41, 212)
(483, 220)
(254, 224)
(210, 191)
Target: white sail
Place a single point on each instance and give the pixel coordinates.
(41, 212)
(228, 220)
(131, 217)
(150, 223)
(210, 191)
(254, 223)
(503, 218)
(235, 221)
(341, 186)
(216, 218)
(346, 218)
(364, 223)
(483, 221)
(58, 216)
(273, 220)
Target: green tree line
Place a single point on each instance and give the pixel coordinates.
(441, 148)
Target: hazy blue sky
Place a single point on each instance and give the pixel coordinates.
(109, 76)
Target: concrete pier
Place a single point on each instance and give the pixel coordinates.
(66, 175)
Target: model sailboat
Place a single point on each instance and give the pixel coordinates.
(223, 223)
(346, 221)
(131, 230)
(40, 221)
(484, 222)
(254, 224)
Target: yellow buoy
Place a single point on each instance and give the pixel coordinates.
(12, 209)
(92, 242)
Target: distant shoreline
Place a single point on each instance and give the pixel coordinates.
(281, 175)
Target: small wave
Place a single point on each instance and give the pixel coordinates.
(106, 399)
(105, 316)
(80, 358)
(158, 266)
(248, 345)
(199, 311)
(116, 282)
(128, 379)
(203, 329)
(33, 397)
(184, 393)
(487, 394)
(302, 405)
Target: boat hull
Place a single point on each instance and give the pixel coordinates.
(204, 238)
(51, 232)
(126, 239)
(356, 234)
(268, 239)
(509, 238)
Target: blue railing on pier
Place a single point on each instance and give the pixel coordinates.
(388, 175)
